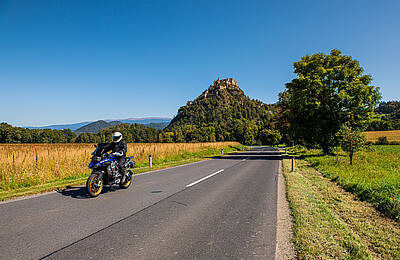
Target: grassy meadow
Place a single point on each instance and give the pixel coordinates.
(28, 165)
(373, 177)
(392, 136)
(331, 223)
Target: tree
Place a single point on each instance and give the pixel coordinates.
(166, 137)
(269, 136)
(330, 90)
(250, 131)
(351, 141)
(281, 121)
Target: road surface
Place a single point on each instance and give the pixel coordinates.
(224, 208)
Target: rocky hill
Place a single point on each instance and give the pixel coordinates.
(221, 112)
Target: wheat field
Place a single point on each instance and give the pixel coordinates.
(30, 164)
(392, 136)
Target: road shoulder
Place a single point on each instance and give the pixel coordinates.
(284, 233)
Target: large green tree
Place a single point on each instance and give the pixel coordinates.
(329, 91)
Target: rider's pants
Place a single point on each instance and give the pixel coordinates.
(121, 161)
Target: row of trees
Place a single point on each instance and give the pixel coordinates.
(10, 134)
(132, 133)
(245, 132)
(387, 117)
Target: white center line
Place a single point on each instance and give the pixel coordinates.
(202, 179)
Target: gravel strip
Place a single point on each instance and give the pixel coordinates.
(284, 233)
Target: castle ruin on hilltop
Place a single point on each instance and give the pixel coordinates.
(218, 85)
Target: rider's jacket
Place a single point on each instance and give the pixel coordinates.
(119, 148)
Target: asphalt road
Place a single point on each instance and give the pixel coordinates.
(223, 208)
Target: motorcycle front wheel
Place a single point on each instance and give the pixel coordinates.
(94, 185)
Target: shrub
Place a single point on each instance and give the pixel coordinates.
(382, 141)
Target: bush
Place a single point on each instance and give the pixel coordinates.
(382, 141)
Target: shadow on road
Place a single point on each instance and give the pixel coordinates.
(81, 192)
(74, 192)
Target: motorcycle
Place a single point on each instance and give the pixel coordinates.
(105, 171)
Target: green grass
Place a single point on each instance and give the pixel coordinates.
(33, 187)
(373, 177)
(330, 223)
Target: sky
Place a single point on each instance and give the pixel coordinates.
(72, 61)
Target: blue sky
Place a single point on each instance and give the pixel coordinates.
(71, 61)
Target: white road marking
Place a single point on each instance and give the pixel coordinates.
(205, 178)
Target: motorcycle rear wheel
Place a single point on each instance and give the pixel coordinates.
(94, 185)
(128, 182)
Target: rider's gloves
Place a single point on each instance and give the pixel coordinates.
(117, 154)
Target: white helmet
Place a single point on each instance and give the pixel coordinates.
(117, 136)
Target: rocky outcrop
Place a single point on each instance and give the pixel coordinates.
(219, 85)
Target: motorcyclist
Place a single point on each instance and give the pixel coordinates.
(118, 148)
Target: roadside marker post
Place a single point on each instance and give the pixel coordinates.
(222, 151)
(293, 164)
(150, 161)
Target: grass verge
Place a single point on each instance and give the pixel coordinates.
(79, 179)
(373, 177)
(331, 223)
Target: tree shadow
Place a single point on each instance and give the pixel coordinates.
(264, 154)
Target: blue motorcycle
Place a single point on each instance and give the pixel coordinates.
(105, 171)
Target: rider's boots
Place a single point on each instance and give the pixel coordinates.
(124, 173)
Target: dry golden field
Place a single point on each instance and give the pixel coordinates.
(392, 136)
(29, 164)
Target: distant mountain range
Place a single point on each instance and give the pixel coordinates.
(59, 127)
(155, 122)
(95, 127)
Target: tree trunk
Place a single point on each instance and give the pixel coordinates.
(351, 158)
